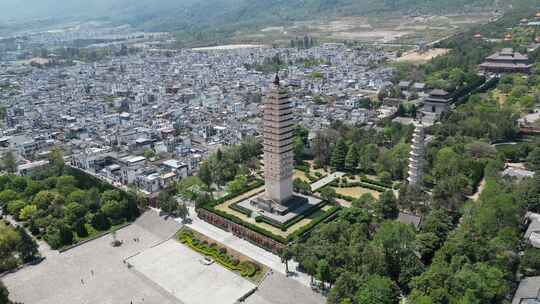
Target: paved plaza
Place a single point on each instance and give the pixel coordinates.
(94, 272)
(178, 269)
(163, 271)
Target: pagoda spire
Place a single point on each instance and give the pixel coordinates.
(276, 79)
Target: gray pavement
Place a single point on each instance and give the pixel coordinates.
(278, 289)
(178, 270)
(164, 271)
(91, 273)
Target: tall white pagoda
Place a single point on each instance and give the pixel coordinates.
(416, 157)
(278, 134)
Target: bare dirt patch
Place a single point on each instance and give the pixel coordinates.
(421, 57)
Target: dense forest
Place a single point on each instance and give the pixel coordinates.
(465, 250)
(62, 206)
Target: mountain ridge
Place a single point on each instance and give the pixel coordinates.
(197, 15)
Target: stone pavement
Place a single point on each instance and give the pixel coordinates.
(326, 180)
(96, 272)
(178, 269)
(92, 273)
(278, 289)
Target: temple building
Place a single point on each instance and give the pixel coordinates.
(437, 102)
(278, 134)
(506, 61)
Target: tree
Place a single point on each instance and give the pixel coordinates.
(56, 160)
(237, 185)
(8, 242)
(14, 207)
(345, 288)
(77, 196)
(328, 194)
(33, 187)
(397, 240)
(530, 262)
(367, 157)
(4, 294)
(534, 159)
(182, 211)
(58, 235)
(321, 148)
(299, 148)
(9, 162)
(113, 210)
(286, 256)
(149, 153)
(378, 290)
(351, 160)
(437, 222)
(18, 184)
(66, 184)
(323, 271)
(28, 212)
(388, 205)
(27, 246)
(93, 199)
(100, 221)
(205, 174)
(75, 211)
(427, 244)
(79, 228)
(7, 196)
(301, 186)
(339, 154)
(167, 203)
(111, 195)
(44, 199)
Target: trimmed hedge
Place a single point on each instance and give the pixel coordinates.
(292, 221)
(304, 168)
(363, 185)
(314, 222)
(374, 182)
(241, 209)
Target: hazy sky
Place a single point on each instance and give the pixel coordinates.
(23, 9)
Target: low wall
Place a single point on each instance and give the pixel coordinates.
(241, 231)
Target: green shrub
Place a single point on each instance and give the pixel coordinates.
(246, 268)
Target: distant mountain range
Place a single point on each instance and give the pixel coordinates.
(217, 15)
